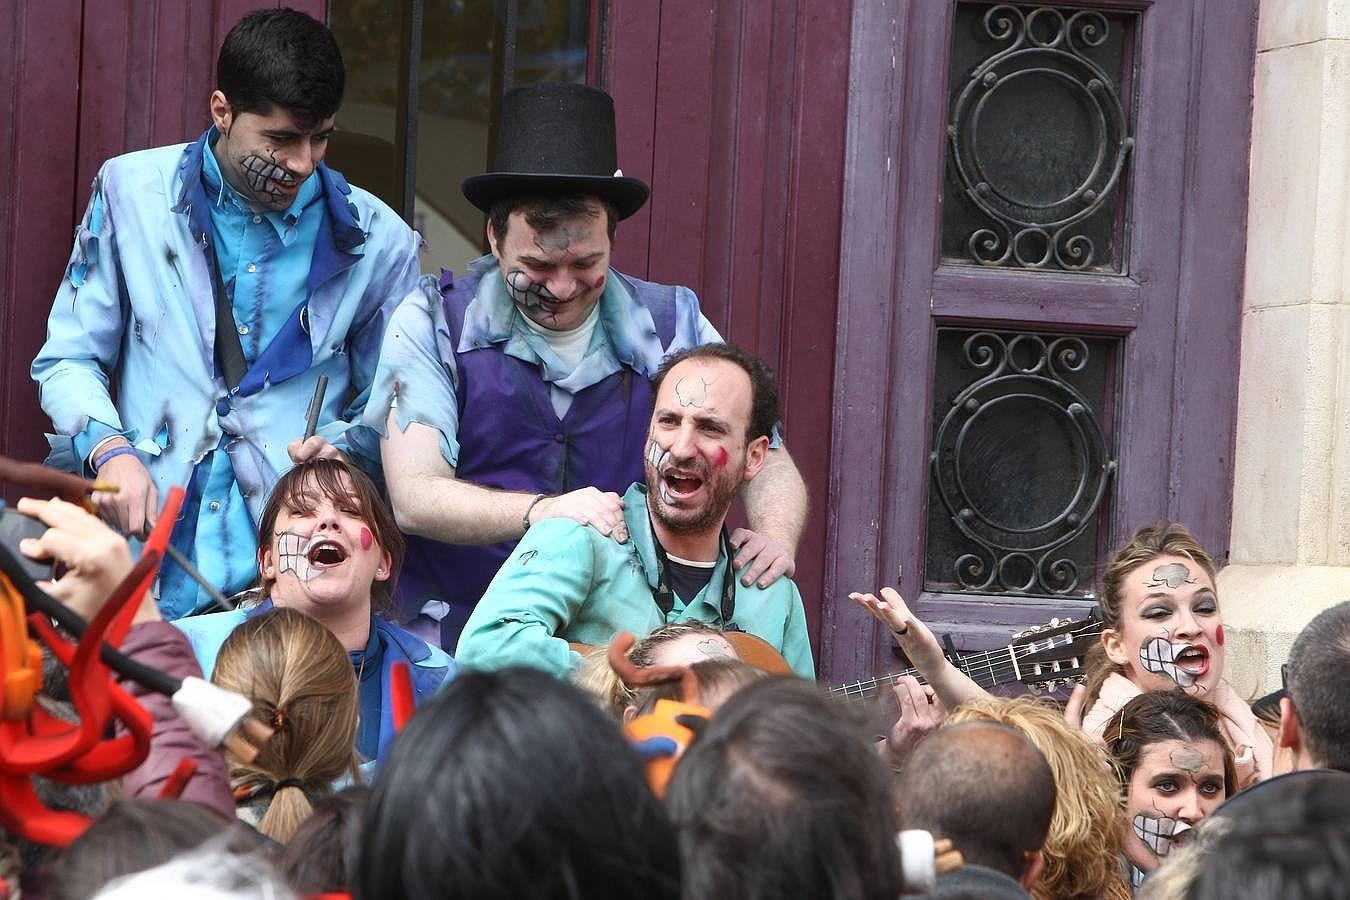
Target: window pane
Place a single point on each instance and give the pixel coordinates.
(468, 48)
(1021, 466)
(1039, 136)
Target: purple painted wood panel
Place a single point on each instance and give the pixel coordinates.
(861, 486)
(632, 30)
(886, 339)
(1086, 303)
(1213, 238)
(737, 107)
(39, 83)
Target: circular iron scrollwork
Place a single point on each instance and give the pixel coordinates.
(1015, 546)
(1049, 50)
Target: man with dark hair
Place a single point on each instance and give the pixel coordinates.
(1314, 714)
(519, 392)
(781, 797)
(988, 789)
(211, 285)
(567, 583)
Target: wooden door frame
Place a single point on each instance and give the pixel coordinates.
(897, 109)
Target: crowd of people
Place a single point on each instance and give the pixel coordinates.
(487, 606)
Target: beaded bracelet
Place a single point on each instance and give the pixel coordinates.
(525, 519)
(119, 450)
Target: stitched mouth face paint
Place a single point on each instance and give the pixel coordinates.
(1160, 833)
(657, 457)
(295, 550)
(292, 555)
(527, 293)
(266, 178)
(1159, 656)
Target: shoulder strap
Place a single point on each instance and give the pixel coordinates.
(229, 352)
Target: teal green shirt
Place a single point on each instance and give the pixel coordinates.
(568, 583)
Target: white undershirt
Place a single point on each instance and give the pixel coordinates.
(570, 347)
(698, 564)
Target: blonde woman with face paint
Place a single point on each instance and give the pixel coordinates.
(1175, 769)
(1163, 631)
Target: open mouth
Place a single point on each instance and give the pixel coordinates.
(1193, 660)
(681, 486)
(326, 554)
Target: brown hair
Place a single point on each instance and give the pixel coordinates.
(1162, 538)
(1156, 716)
(300, 680)
(328, 476)
(1087, 830)
(545, 212)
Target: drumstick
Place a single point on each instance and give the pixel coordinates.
(315, 404)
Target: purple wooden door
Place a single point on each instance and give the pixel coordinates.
(1039, 297)
(733, 113)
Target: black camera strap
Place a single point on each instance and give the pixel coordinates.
(664, 595)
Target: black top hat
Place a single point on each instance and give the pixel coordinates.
(557, 138)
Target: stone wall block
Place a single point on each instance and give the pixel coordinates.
(1285, 176)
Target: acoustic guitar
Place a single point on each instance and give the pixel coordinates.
(1042, 658)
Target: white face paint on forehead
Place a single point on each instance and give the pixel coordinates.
(1187, 759)
(1159, 655)
(691, 390)
(1159, 833)
(1173, 575)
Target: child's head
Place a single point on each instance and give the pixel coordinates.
(301, 682)
(326, 537)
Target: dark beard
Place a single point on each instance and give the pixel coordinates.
(710, 517)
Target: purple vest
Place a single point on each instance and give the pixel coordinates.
(510, 438)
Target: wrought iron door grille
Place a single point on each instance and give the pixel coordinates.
(1039, 133)
(1021, 469)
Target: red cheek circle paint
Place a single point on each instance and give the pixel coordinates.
(1218, 635)
(600, 282)
(367, 539)
(720, 457)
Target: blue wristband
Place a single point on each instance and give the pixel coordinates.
(120, 450)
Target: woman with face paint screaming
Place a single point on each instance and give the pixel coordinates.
(329, 547)
(1163, 631)
(1174, 767)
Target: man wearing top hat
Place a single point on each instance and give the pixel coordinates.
(520, 391)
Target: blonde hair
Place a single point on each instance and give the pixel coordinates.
(714, 676)
(301, 682)
(1087, 830)
(1148, 543)
(595, 677)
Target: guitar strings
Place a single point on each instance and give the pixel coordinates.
(972, 667)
